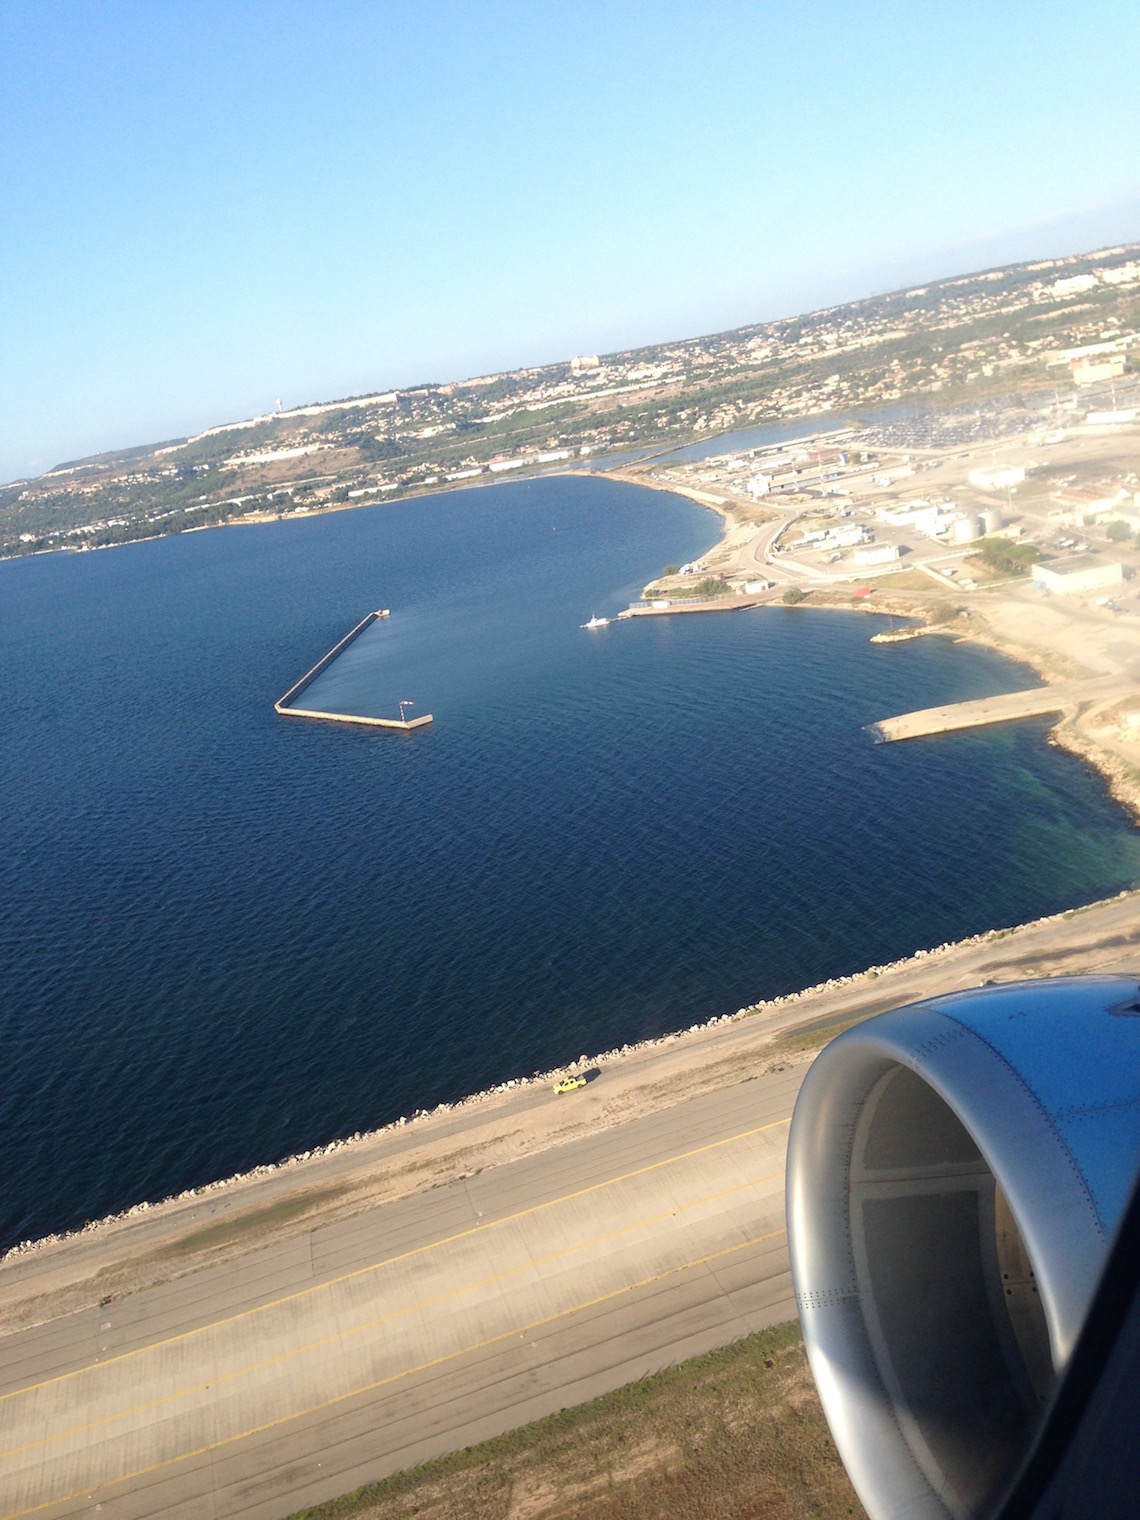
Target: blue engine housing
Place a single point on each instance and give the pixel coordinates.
(956, 1170)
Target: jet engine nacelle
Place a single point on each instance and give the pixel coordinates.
(956, 1169)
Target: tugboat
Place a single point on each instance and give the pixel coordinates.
(597, 622)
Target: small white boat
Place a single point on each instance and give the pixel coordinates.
(597, 622)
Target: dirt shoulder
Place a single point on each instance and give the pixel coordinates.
(158, 1242)
(736, 1433)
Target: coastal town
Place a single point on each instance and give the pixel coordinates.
(964, 360)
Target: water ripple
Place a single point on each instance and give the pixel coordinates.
(227, 936)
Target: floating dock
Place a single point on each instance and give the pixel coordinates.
(282, 705)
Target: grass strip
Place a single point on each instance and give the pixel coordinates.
(735, 1433)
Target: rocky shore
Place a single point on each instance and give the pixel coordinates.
(154, 1241)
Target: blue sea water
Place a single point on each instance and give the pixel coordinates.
(738, 440)
(226, 936)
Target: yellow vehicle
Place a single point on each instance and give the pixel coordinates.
(568, 1084)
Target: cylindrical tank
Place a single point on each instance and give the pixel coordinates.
(991, 521)
(966, 530)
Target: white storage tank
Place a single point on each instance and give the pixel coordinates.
(991, 522)
(966, 530)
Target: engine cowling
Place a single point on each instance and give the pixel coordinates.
(956, 1169)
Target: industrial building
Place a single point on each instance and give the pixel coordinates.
(1077, 575)
(1119, 417)
(1084, 504)
(998, 478)
(1093, 368)
(930, 520)
(876, 554)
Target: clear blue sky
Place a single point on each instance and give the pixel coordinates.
(205, 207)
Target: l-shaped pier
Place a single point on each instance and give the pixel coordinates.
(282, 705)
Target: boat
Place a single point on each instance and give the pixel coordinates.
(597, 622)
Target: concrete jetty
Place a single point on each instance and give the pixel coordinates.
(283, 707)
(404, 724)
(711, 604)
(1064, 698)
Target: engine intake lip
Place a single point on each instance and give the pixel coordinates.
(921, 1140)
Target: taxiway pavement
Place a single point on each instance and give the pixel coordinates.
(327, 1359)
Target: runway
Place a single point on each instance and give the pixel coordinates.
(328, 1359)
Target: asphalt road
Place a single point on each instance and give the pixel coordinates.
(760, 545)
(329, 1359)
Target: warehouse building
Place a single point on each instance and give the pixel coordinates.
(1077, 575)
(876, 554)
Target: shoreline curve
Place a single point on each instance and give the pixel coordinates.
(768, 1011)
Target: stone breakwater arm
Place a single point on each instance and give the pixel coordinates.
(1063, 699)
(326, 660)
(286, 710)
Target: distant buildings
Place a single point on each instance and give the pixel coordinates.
(1123, 274)
(997, 479)
(1120, 417)
(930, 520)
(847, 538)
(1075, 285)
(1078, 574)
(1090, 369)
(876, 554)
(832, 538)
(829, 362)
(1083, 504)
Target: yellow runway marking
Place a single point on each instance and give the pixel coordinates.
(383, 1319)
(395, 1377)
(434, 1245)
